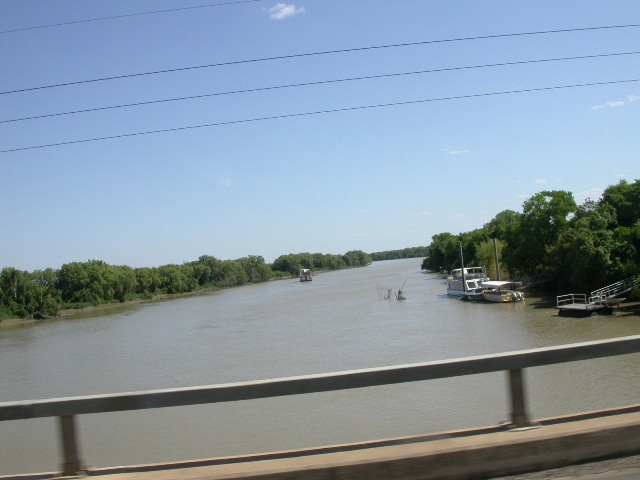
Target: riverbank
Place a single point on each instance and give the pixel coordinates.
(105, 308)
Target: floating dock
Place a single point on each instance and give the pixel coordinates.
(600, 301)
(583, 309)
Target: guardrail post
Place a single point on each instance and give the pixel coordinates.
(72, 463)
(519, 416)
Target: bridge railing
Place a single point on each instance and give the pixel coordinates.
(513, 363)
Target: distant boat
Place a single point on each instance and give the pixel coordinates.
(305, 275)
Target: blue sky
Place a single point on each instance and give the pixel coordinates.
(362, 178)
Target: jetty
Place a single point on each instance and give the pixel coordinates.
(602, 300)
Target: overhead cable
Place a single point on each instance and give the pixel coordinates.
(320, 82)
(319, 112)
(124, 16)
(310, 54)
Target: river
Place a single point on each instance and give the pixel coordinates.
(339, 321)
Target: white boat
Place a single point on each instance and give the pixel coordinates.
(474, 291)
(456, 288)
(305, 275)
(474, 277)
(502, 291)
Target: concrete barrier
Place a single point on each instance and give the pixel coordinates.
(458, 455)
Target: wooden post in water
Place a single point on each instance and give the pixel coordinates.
(72, 464)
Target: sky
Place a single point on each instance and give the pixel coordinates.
(319, 125)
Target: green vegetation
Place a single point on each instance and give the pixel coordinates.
(575, 247)
(292, 263)
(42, 293)
(409, 252)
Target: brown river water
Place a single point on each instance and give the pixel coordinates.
(339, 321)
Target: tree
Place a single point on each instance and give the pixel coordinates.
(255, 268)
(356, 258)
(176, 279)
(44, 301)
(625, 199)
(148, 280)
(444, 253)
(503, 224)
(287, 263)
(231, 274)
(544, 218)
(485, 256)
(13, 290)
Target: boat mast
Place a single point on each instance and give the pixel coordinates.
(495, 256)
(464, 283)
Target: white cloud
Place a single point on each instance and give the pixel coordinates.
(608, 105)
(283, 10)
(456, 152)
(541, 181)
(424, 213)
(226, 181)
(633, 98)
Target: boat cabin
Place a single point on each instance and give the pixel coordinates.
(469, 272)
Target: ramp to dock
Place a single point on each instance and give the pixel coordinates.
(602, 299)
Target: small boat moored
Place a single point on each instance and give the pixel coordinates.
(502, 291)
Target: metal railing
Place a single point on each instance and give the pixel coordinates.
(513, 363)
(617, 288)
(571, 299)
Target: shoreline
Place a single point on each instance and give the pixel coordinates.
(105, 307)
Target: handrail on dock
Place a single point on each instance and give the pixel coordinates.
(617, 288)
(571, 299)
(511, 362)
(599, 295)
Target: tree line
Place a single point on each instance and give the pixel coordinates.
(409, 252)
(574, 247)
(42, 293)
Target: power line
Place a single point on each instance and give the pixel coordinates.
(322, 82)
(310, 54)
(319, 112)
(125, 15)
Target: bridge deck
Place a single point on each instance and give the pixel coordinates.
(493, 452)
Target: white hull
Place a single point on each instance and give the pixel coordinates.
(503, 297)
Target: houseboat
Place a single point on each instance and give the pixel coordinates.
(305, 275)
(474, 278)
